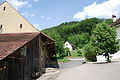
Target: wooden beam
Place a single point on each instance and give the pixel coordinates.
(48, 43)
(14, 58)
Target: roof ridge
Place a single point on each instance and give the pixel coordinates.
(3, 2)
(21, 33)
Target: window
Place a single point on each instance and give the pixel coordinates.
(66, 44)
(23, 51)
(4, 8)
(0, 26)
(20, 25)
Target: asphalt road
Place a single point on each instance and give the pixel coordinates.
(73, 63)
(63, 66)
(107, 71)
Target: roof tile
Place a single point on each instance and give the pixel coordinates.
(116, 22)
(11, 42)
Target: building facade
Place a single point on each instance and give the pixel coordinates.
(12, 21)
(68, 45)
(24, 50)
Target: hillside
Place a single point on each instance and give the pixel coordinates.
(76, 32)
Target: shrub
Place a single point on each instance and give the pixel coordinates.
(79, 52)
(67, 52)
(89, 52)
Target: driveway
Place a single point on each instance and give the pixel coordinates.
(107, 71)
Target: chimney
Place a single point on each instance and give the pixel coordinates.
(114, 18)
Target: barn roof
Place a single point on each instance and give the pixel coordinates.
(13, 41)
(116, 22)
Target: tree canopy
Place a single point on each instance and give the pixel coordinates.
(105, 39)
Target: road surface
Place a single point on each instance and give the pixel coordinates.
(72, 63)
(107, 71)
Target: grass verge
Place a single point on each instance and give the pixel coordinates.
(62, 59)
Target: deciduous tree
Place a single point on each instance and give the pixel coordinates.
(105, 39)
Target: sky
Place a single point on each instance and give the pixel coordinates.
(48, 13)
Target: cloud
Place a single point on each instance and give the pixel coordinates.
(42, 17)
(30, 5)
(18, 3)
(32, 15)
(28, 14)
(36, 0)
(104, 10)
(48, 18)
(36, 26)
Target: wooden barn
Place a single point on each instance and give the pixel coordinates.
(23, 56)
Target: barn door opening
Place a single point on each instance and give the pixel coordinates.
(3, 70)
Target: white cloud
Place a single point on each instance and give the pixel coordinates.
(17, 3)
(28, 14)
(103, 10)
(42, 17)
(30, 5)
(35, 0)
(32, 15)
(36, 26)
(48, 18)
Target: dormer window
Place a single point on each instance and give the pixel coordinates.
(4, 8)
(20, 25)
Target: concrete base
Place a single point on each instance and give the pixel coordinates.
(114, 57)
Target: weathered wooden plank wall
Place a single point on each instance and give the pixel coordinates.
(28, 60)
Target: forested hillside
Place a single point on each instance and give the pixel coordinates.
(76, 32)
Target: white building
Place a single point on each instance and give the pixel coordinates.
(117, 26)
(68, 45)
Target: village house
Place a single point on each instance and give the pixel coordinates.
(116, 24)
(24, 50)
(69, 46)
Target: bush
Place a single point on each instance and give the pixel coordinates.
(79, 52)
(89, 52)
(67, 52)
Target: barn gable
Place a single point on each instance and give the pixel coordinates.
(12, 21)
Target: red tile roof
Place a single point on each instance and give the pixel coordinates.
(116, 22)
(13, 41)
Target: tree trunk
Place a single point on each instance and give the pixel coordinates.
(108, 57)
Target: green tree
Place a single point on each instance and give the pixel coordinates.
(105, 39)
(108, 21)
(79, 40)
